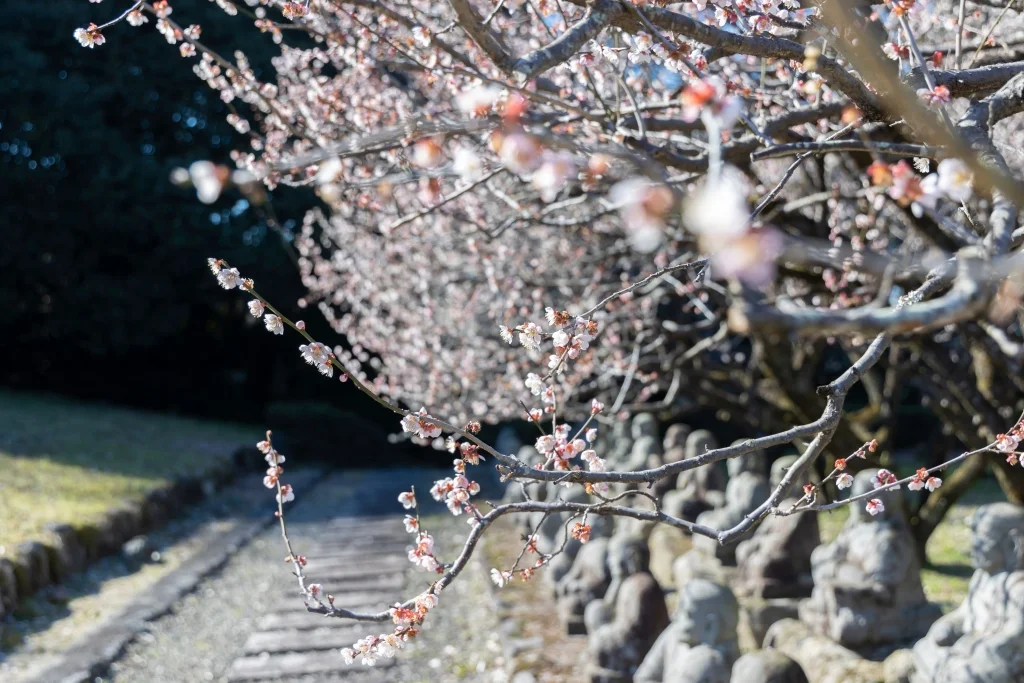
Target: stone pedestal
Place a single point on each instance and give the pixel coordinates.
(767, 666)
(823, 660)
(757, 616)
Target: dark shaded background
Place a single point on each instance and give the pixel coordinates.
(104, 290)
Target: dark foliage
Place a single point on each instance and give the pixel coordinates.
(104, 289)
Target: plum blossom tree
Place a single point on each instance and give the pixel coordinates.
(570, 211)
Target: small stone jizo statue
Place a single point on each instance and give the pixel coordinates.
(982, 640)
(700, 645)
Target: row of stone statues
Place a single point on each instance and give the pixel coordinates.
(825, 612)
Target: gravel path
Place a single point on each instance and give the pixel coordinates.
(59, 618)
(209, 629)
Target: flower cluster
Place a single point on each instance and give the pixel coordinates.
(923, 480)
(418, 426)
(952, 181)
(285, 492)
(89, 36)
(455, 492)
(422, 555)
(884, 478)
(580, 532)
(319, 356)
(407, 620)
(500, 578)
(1008, 443)
(558, 448)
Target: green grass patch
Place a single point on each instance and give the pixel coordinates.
(69, 462)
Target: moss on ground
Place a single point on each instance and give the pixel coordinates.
(68, 462)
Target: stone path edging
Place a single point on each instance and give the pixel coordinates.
(88, 659)
(66, 549)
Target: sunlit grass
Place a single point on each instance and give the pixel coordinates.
(69, 462)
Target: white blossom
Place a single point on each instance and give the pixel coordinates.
(229, 278)
(273, 323)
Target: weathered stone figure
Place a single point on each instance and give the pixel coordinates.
(624, 625)
(767, 666)
(982, 641)
(643, 425)
(674, 447)
(627, 555)
(616, 649)
(700, 645)
(867, 583)
(699, 489)
(676, 436)
(619, 444)
(646, 450)
(751, 462)
(776, 561)
(666, 485)
(600, 527)
(587, 581)
(743, 494)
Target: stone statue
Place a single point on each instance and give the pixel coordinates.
(700, 644)
(643, 425)
(751, 462)
(767, 666)
(776, 561)
(867, 583)
(743, 494)
(982, 640)
(601, 526)
(702, 488)
(627, 555)
(618, 445)
(676, 436)
(663, 486)
(616, 649)
(646, 449)
(551, 529)
(673, 448)
(586, 582)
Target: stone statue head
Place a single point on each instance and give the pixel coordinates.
(779, 469)
(751, 462)
(628, 554)
(892, 500)
(699, 442)
(746, 491)
(997, 540)
(707, 613)
(676, 436)
(643, 424)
